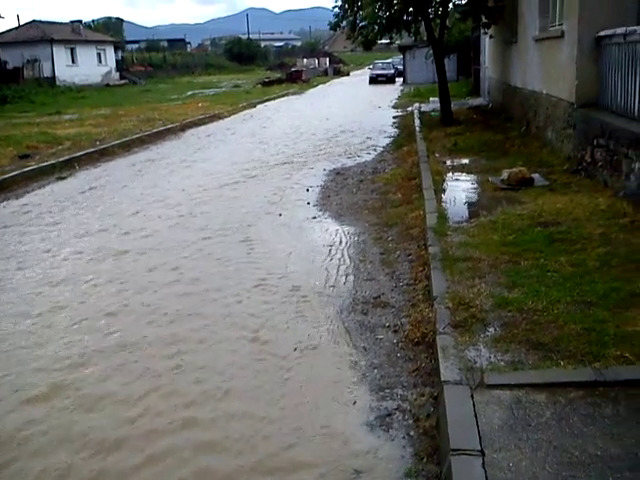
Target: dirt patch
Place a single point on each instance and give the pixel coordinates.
(389, 316)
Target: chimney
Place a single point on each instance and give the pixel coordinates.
(76, 26)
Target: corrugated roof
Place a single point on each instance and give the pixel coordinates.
(38, 30)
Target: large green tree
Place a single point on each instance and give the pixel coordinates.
(112, 26)
(372, 20)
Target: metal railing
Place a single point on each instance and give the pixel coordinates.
(620, 71)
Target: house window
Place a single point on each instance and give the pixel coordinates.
(101, 56)
(72, 55)
(551, 14)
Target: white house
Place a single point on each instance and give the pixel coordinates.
(67, 53)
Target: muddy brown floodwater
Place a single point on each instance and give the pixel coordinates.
(175, 313)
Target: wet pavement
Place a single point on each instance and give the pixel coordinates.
(175, 313)
(560, 433)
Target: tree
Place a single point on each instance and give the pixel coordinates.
(244, 51)
(151, 46)
(377, 19)
(112, 26)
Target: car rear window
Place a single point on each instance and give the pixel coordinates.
(383, 66)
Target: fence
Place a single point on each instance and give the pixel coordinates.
(620, 71)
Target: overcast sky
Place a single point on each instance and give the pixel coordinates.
(144, 12)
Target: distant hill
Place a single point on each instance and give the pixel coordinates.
(260, 19)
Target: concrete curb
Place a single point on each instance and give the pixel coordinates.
(460, 447)
(561, 377)
(24, 177)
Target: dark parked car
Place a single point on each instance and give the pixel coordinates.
(382, 72)
(398, 64)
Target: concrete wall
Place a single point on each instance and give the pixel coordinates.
(419, 67)
(17, 54)
(87, 71)
(546, 65)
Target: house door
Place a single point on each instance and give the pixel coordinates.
(32, 68)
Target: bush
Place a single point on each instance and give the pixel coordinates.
(244, 51)
(180, 62)
(31, 91)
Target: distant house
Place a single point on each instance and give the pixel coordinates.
(419, 67)
(66, 53)
(174, 44)
(569, 69)
(271, 39)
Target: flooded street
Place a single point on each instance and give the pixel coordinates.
(175, 313)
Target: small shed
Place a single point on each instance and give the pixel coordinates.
(419, 67)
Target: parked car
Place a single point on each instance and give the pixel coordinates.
(382, 72)
(398, 64)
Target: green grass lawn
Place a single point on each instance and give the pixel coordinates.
(48, 122)
(421, 94)
(554, 269)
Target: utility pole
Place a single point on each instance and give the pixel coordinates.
(248, 31)
(309, 32)
(18, 17)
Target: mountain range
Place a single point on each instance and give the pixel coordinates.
(260, 20)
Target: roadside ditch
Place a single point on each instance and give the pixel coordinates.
(389, 316)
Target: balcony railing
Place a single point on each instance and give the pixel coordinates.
(620, 71)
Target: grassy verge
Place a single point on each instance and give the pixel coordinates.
(552, 272)
(401, 212)
(41, 122)
(357, 60)
(410, 95)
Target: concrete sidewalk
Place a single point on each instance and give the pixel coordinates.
(560, 433)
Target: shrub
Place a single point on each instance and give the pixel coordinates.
(244, 51)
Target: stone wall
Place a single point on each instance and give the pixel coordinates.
(606, 146)
(614, 165)
(548, 116)
(609, 149)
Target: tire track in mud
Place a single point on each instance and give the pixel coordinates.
(338, 261)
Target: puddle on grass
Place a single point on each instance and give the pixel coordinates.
(482, 355)
(462, 196)
(223, 87)
(206, 91)
(459, 196)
